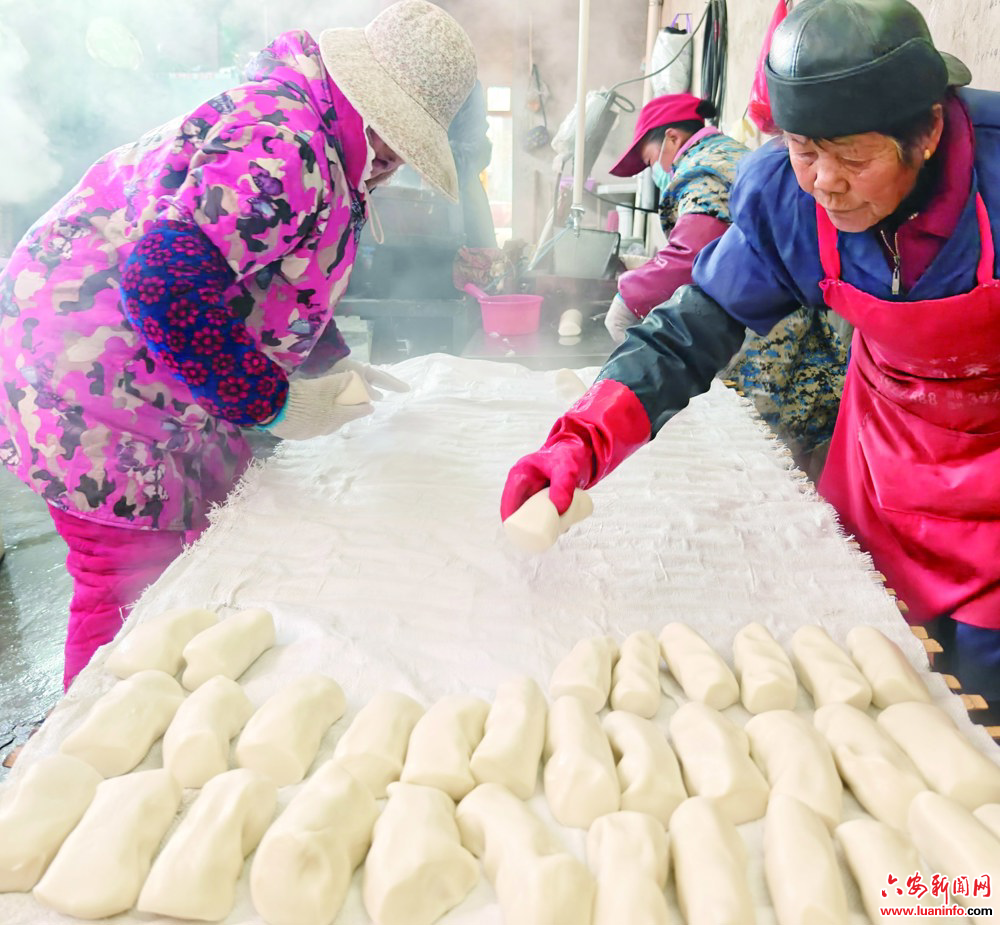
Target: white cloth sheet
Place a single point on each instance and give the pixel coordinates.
(380, 552)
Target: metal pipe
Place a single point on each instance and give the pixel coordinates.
(583, 49)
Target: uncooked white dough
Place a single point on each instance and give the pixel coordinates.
(537, 524)
(374, 746)
(282, 738)
(122, 725)
(536, 882)
(581, 781)
(158, 642)
(952, 841)
(303, 865)
(797, 762)
(104, 861)
(947, 760)
(767, 679)
(37, 813)
(442, 743)
(891, 676)
(196, 743)
(627, 851)
(989, 815)
(648, 772)
(194, 876)
(715, 758)
(635, 679)
(513, 739)
(586, 672)
(826, 670)
(569, 385)
(355, 392)
(229, 648)
(879, 773)
(417, 868)
(698, 668)
(709, 866)
(873, 851)
(570, 323)
(800, 865)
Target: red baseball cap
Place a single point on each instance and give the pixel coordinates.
(663, 110)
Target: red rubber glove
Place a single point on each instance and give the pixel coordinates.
(602, 429)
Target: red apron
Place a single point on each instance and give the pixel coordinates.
(914, 464)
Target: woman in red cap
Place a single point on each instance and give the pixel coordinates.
(882, 204)
(693, 166)
(794, 374)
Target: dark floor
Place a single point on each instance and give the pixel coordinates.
(34, 595)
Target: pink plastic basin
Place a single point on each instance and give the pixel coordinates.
(511, 314)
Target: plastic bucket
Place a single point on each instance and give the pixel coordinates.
(511, 314)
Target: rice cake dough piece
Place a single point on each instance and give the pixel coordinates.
(800, 865)
(282, 738)
(304, 863)
(121, 727)
(580, 778)
(648, 772)
(513, 739)
(442, 743)
(709, 866)
(103, 863)
(229, 648)
(947, 760)
(989, 815)
(797, 762)
(585, 672)
(715, 758)
(537, 524)
(952, 840)
(196, 743)
(878, 772)
(635, 679)
(158, 643)
(37, 813)
(374, 746)
(874, 851)
(417, 868)
(698, 668)
(536, 882)
(767, 678)
(826, 670)
(628, 853)
(195, 875)
(891, 676)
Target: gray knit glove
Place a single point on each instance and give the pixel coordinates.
(320, 406)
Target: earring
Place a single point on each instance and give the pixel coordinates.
(927, 154)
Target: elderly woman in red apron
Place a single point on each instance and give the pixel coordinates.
(882, 203)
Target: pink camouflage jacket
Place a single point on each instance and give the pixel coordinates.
(271, 174)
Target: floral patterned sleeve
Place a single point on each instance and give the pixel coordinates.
(174, 284)
(249, 196)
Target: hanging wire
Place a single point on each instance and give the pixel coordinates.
(680, 51)
(715, 48)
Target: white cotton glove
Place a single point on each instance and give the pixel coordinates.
(322, 405)
(618, 319)
(374, 377)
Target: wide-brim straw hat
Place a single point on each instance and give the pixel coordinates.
(407, 73)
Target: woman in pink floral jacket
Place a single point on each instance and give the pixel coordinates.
(159, 309)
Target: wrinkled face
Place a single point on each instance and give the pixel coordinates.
(386, 161)
(859, 180)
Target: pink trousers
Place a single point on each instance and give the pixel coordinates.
(110, 567)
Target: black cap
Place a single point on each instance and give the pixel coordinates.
(843, 67)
